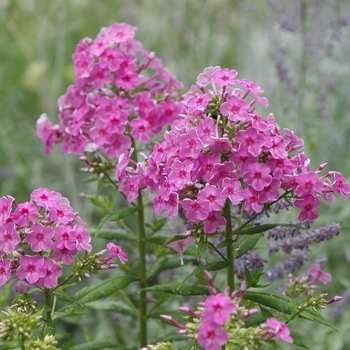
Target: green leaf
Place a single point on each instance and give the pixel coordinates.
(316, 316)
(297, 341)
(260, 228)
(95, 345)
(213, 266)
(246, 243)
(103, 289)
(158, 224)
(68, 312)
(115, 216)
(160, 240)
(285, 304)
(186, 290)
(165, 264)
(112, 306)
(275, 301)
(67, 298)
(112, 234)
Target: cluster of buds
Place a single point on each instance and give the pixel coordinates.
(122, 93)
(220, 320)
(41, 236)
(223, 151)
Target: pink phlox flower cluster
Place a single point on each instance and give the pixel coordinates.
(120, 90)
(223, 149)
(38, 237)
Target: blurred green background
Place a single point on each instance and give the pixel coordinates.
(297, 51)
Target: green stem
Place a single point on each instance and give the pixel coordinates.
(143, 272)
(48, 304)
(230, 252)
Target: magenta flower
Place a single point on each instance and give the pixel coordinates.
(5, 271)
(308, 204)
(214, 220)
(31, 268)
(43, 197)
(181, 173)
(116, 250)
(25, 213)
(131, 188)
(65, 255)
(224, 77)
(280, 329)
(233, 190)
(236, 108)
(82, 238)
(5, 207)
(258, 176)
(65, 237)
(211, 336)
(9, 238)
(181, 244)
(39, 237)
(52, 273)
(340, 185)
(214, 196)
(308, 183)
(250, 141)
(218, 308)
(195, 210)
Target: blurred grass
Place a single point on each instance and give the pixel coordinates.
(39, 37)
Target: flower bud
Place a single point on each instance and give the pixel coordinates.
(22, 286)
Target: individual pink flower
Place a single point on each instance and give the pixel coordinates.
(5, 271)
(214, 196)
(340, 185)
(65, 255)
(308, 183)
(131, 188)
(52, 273)
(218, 308)
(5, 207)
(116, 250)
(279, 329)
(25, 213)
(236, 108)
(211, 336)
(31, 268)
(9, 238)
(39, 237)
(206, 77)
(214, 220)
(180, 245)
(251, 200)
(308, 204)
(190, 144)
(258, 175)
(180, 174)
(43, 197)
(61, 214)
(195, 210)
(250, 141)
(82, 238)
(318, 274)
(198, 102)
(65, 237)
(232, 189)
(224, 77)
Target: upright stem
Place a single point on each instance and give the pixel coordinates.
(230, 252)
(143, 272)
(48, 304)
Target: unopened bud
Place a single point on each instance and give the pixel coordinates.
(22, 286)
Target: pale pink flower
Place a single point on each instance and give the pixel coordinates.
(280, 329)
(318, 274)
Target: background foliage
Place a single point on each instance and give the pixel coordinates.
(297, 51)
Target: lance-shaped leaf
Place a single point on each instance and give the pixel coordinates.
(103, 289)
(115, 216)
(186, 290)
(260, 228)
(112, 234)
(112, 306)
(246, 243)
